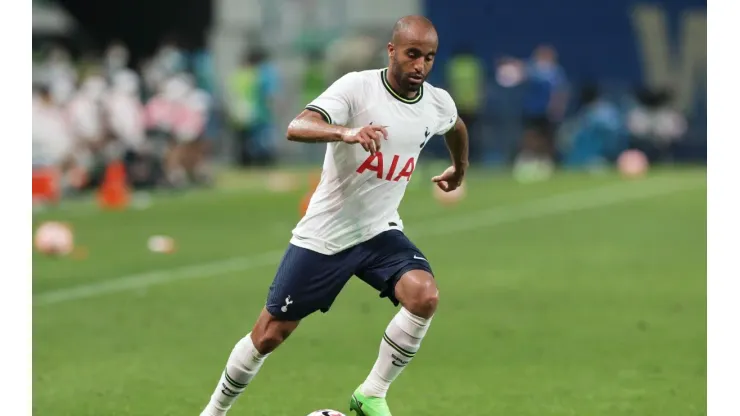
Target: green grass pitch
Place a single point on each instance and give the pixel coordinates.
(582, 295)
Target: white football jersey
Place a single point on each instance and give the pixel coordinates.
(359, 193)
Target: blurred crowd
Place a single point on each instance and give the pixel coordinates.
(90, 112)
(161, 120)
(526, 113)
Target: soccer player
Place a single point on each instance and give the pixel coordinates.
(376, 123)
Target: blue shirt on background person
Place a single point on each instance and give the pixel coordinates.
(599, 131)
(542, 82)
(545, 79)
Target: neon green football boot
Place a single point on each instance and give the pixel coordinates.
(368, 406)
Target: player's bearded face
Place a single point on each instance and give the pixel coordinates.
(412, 64)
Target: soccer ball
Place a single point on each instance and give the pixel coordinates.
(449, 198)
(327, 412)
(54, 239)
(532, 170)
(161, 244)
(633, 163)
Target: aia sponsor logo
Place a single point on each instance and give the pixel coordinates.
(390, 170)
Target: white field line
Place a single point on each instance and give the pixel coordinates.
(563, 203)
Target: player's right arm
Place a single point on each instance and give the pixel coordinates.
(311, 127)
(325, 118)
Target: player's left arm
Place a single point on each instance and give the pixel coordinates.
(457, 143)
(456, 137)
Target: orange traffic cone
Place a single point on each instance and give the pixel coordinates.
(114, 192)
(303, 207)
(45, 185)
(314, 180)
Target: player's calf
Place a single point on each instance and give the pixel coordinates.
(268, 332)
(246, 360)
(418, 294)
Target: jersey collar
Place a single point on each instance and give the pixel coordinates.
(387, 85)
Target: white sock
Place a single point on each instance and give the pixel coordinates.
(244, 363)
(400, 342)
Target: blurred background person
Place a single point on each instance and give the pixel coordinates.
(313, 81)
(165, 117)
(58, 68)
(126, 119)
(466, 83)
(190, 129)
(598, 134)
(656, 127)
(115, 59)
(89, 127)
(170, 58)
(545, 103)
(53, 143)
(254, 89)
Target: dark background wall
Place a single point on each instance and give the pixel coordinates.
(141, 24)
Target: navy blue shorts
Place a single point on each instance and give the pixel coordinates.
(307, 281)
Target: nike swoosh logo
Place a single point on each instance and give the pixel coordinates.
(420, 258)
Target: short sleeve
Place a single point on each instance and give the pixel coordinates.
(447, 111)
(337, 103)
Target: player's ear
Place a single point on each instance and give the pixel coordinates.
(391, 49)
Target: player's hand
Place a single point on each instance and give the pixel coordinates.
(450, 179)
(369, 137)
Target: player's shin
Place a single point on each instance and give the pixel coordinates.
(400, 343)
(243, 364)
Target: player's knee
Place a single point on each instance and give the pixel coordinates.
(428, 303)
(418, 293)
(424, 302)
